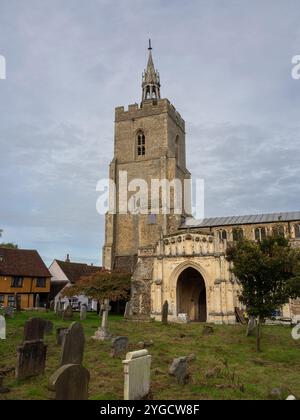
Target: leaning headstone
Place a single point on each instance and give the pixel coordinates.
(165, 313)
(70, 383)
(137, 368)
(179, 369)
(34, 329)
(2, 328)
(68, 313)
(251, 326)
(119, 346)
(48, 327)
(60, 333)
(31, 359)
(73, 345)
(102, 333)
(83, 311)
(9, 312)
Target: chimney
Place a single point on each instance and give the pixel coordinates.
(68, 259)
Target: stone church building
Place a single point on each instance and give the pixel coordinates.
(169, 259)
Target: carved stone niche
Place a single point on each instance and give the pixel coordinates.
(197, 239)
(179, 239)
(188, 237)
(166, 242)
(158, 282)
(204, 240)
(173, 241)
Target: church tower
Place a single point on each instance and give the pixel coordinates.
(149, 145)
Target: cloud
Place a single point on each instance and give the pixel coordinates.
(226, 66)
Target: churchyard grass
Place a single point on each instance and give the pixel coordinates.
(243, 373)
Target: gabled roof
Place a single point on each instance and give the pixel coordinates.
(74, 271)
(245, 220)
(22, 262)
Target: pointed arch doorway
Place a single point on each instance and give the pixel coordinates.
(191, 295)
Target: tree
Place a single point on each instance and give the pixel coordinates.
(8, 245)
(111, 285)
(269, 273)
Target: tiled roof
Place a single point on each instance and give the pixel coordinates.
(245, 220)
(74, 271)
(21, 262)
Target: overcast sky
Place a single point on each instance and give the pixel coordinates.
(224, 64)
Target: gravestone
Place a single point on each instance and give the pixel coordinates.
(31, 359)
(60, 333)
(165, 313)
(37, 301)
(68, 313)
(183, 318)
(52, 305)
(102, 333)
(207, 330)
(119, 346)
(179, 369)
(2, 328)
(48, 327)
(70, 383)
(9, 312)
(127, 312)
(73, 345)
(137, 373)
(18, 302)
(34, 329)
(83, 310)
(251, 326)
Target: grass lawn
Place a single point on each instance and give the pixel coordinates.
(255, 374)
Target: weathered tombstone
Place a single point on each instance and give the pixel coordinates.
(83, 310)
(60, 333)
(137, 371)
(119, 346)
(18, 302)
(34, 329)
(165, 313)
(2, 328)
(183, 318)
(179, 369)
(9, 312)
(102, 333)
(31, 359)
(52, 305)
(37, 301)
(207, 330)
(70, 383)
(127, 312)
(73, 345)
(48, 327)
(251, 326)
(68, 313)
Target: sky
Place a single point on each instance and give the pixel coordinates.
(224, 64)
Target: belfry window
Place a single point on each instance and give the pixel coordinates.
(223, 235)
(141, 144)
(260, 233)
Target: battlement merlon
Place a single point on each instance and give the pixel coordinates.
(149, 108)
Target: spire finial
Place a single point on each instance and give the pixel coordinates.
(151, 79)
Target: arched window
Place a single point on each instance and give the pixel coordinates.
(141, 144)
(223, 235)
(237, 234)
(260, 233)
(297, 231)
